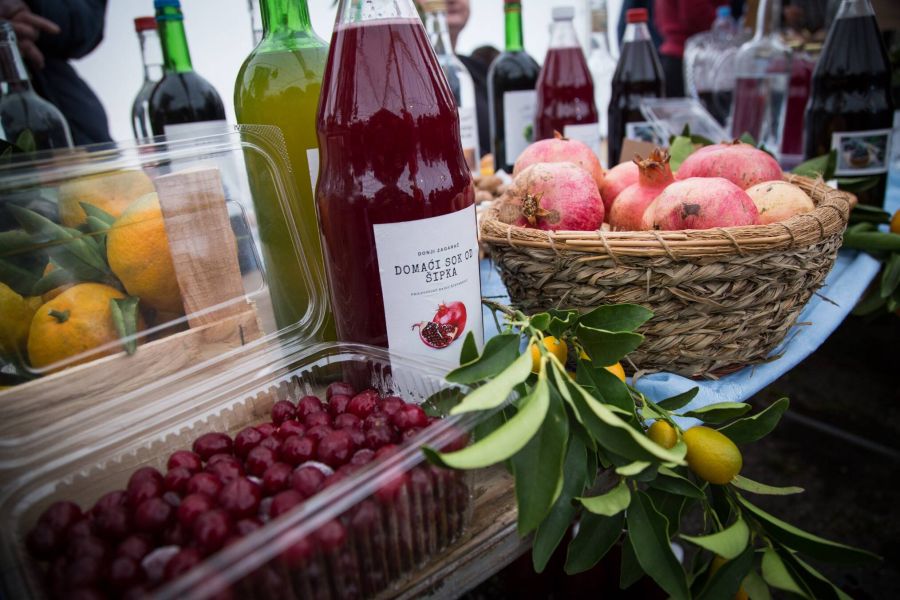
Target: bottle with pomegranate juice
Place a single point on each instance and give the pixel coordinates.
(394, 193)
(638, 75)
(850, 106)
(565, 89)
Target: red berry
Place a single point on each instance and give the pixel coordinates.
(176, 480)
(240, 498)
(308, 405)
(363, 403)
(124, 572)
(318, 433)
(246, 440)
(362, 457)
(388, 492)
(226, 469)
(411, 415)
(289, 428)
(245, 527)
(365, 515)
(282, 411)
(110, 500)
(357, 436)
(260, 459)
(88, 546)
(377, 437)
(385, 451)
(277, 478)
(193, 506)
(339, 388)
(181, 563)
(204, 483)
(331, 535)
(85, 593)
(43, 541)
(266, 429)
(346, 421)
(175, 535)
(113, 523)
(143, 474)
(283, 502)
(186, 459)
(392, 404)
(212, 443)
(79, 529)
(211, 529)
(335, 448)
(61, 515)
(272, 443)
(410, 433)
(297, 450)
(135, 546)
(152, 515)
(299, 552)
(377, 419)
(316, 419)
(307, 481)
(338, 404)
(83, 571)
(144, 489)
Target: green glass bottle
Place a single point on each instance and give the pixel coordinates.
(279, 85)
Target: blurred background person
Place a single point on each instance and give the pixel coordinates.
(676, 21)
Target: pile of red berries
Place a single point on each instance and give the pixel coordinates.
(134, 540)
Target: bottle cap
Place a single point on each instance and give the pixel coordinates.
(144, 23)
(563, 13)
(433, 6)
(509, 2)
(166, 3)
(723, 11)
(634, 15)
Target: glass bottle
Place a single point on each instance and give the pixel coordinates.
(850, 107)
(182, 99)
(638, 75)
(802, 66)
(601, 63)
(395, 194)
(22, 111)
(256, 24)
(511, 93)
(458, 78)
(279, 84)
(151, 57)
(762, 68)
(565, 89)
(700, 55)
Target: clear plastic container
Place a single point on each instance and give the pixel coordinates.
(669, 116)
(354, 538)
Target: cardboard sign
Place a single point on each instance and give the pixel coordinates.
(632, 147)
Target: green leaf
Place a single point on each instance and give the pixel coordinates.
(680, 148)
(25, 141)
(15, 241)
(495, 392)
(538, 468)
(718, 412)
(96, 226)
(609, 387)
(616, 318)
(21, 280)
(857, 185)
(728, 543)
(807, 543)
(776, 574)
(872, 241)
(670, 506)
(720, 503)
(611, 503)
(554, 526)
(510, 437)
(648, 531)
(819, 587)
(756, 587)
(607, 347)
(891, 276)
(820, 166)
(440, 403)
(633, 469)
(725, 582)
(679, 401)
(561, 321)
(756, 427)
(540, 321)
(672, 482)
(78, 255)
(98, 213)
(747, 139)
(499, 352)
(870, 214)
(51, 280)
(631, 570)
(868, 305)
(596, 535)
(469, 352)
(748, 485)
(125, 318)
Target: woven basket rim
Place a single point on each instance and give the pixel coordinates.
(828, 219)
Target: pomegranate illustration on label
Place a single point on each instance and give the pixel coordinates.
(447, 325)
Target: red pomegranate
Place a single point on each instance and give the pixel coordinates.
(452, 313)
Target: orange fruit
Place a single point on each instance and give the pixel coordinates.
(138, 252)
(711, 455)
(895, 222)
(111, 192)
(554, 346)
(16, 313)
(663, 434)
(76, 322)
(616, 369)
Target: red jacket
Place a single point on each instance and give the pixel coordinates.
(677, 20)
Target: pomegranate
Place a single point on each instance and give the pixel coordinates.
(700, 203)
(553, 197)
(655, 174)
(742, 164)
(452, 313)
(779, 200)
(560, 149)
(617, 179)
(436, 335)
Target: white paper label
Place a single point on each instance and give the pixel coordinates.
(518, 122)
(587, 133)
(861, 152)
(468, 136)
(186, 131)
(312, 162)
(425, 264)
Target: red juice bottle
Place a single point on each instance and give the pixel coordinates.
(394, 193)
(802, 65)
(565, 89)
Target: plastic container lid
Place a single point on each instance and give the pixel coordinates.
(563, 13)
(144, 23)
(636, 15)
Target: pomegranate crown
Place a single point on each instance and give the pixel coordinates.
(655, 169)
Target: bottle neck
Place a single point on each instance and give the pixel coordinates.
(438, 32)
(176, 56)
(283, 17)
(358, 11)
(513, 15)
(562, 34)
(151, 55)
(13, 75)
(768, 19)
(854, 8)
(636, 32)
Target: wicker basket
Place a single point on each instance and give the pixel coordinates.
(723, 298)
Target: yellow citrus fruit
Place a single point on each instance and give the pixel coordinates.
(895, 222)
(16, 313)
(616, 369)
(75, 322)
(711, 455)
(110, 192)
(554, 346)
(717, 563)
(663, 434)
(138, 251)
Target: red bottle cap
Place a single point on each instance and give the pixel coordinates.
(144, 23)
(636, 15)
